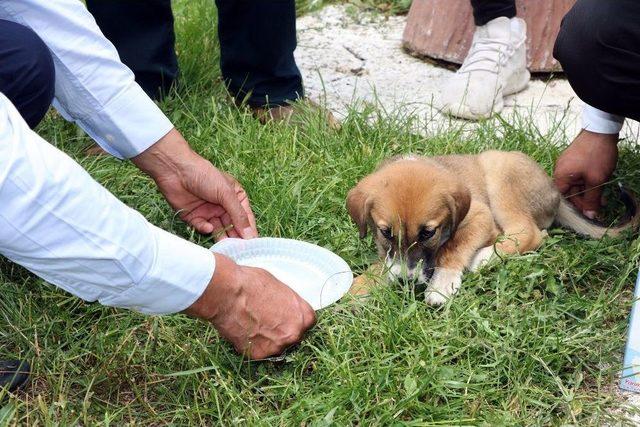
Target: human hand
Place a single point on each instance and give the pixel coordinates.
(584, 167)
(253, 310)
(209, 200)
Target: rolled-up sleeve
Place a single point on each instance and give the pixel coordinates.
(59, 223)
(93, 88)
(598, 121)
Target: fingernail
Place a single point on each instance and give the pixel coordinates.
(248, 233)
(589, 214)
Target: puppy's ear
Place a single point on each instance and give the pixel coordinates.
(459, 202)
(359, 203)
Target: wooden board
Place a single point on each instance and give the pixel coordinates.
(443, 29)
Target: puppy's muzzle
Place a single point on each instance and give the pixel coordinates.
(400, 271)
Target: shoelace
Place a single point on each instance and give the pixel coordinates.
(476, 61)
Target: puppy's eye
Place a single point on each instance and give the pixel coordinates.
(426, 233)
(387, 233)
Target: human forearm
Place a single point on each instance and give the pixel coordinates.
(59, 223)
(170, 154)
(56, 221)
(210, 200)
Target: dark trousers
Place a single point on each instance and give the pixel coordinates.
(257, 40)
(27, 75)
(487, 10)
(599, 49)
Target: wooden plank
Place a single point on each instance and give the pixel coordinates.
(443, 29)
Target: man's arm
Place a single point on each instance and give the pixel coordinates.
(589, 162)
(93, 88)
(56, 221)
(59, 223)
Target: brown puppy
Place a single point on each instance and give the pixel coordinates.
(434, 217)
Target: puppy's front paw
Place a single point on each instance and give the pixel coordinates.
(443, 285)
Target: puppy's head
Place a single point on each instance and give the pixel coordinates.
(413, 207)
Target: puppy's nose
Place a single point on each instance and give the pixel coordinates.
(409, 278)
(404, 281)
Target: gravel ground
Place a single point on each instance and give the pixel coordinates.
(349, 57)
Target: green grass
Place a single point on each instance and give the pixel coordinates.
(536, 340)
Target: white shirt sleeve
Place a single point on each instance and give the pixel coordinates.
(58, 222)
(598, 121)
(93, 88)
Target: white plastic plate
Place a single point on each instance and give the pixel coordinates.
(318, 275)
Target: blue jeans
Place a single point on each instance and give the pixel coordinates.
(27, 75)
(257, 40)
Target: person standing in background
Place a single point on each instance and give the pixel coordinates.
(257, 41)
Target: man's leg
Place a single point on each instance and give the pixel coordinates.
(495, 65)
(599, 49)
(142, 32)
(257, 40)
(488, 10)
(27, 74)
(27, 78)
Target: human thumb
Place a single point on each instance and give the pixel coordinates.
(591, 202)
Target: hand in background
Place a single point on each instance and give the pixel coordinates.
(584, 167)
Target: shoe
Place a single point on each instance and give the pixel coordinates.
(287, 113)
(13, 374)
(496, 66)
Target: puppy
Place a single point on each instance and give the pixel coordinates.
(434, 217)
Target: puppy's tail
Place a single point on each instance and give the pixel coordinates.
(569, 217)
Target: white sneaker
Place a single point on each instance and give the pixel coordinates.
(495, 66)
